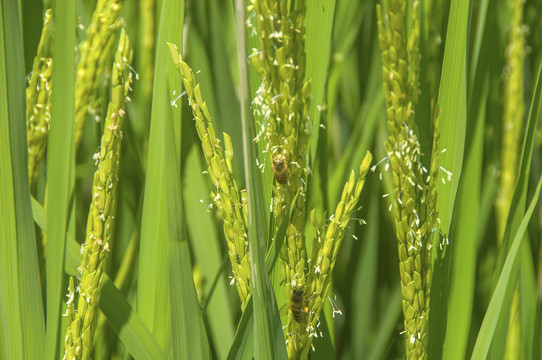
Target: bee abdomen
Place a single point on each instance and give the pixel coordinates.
(297, 305)
(280, 169)
(281, 178)
(298, 314)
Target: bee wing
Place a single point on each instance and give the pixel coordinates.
(283, 311)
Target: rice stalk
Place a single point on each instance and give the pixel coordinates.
(227, 198)
(283, 99)
(512, 131)
(322, 260)
(147, 42)
(95, 55)
(435, 15)
(513, 114)
(38, 99)
(414, 191)
(82, 322)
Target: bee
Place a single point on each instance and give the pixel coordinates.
(297, 305)
(280, 169)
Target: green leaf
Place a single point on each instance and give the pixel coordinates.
(387, 325)
(153, 273)
(452, 100)
(479, 34)
(364, 283)
(453, 103)
(268, 337)
(189, 338)
(212, 50)
(485, 336)
(60, 167)
(520, 192)
(528, 303)
(205, 245)
(21, 311)
(129, 327)
(319, 19)
(363, 134)
(243, 346)
(518, 203)
(467, 229)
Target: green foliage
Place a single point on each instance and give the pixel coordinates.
(166, 289)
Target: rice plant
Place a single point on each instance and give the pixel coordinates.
(270, 179)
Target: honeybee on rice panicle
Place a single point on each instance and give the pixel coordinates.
(280, 169)
(297, 305)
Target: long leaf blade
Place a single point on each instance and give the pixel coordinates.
(318, 50)
(60, 164)
(11, 111)
(268, 337)
(485, 337)
(154, 253)
(452, 100)
(189, 337)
